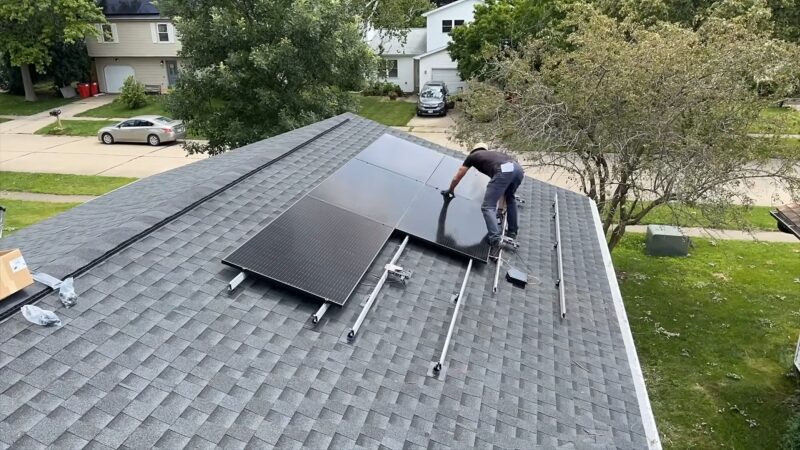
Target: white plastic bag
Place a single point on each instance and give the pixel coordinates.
(40, 316)
(66, 293)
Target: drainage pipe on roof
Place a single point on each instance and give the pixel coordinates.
(460, 300)
(560, 282)
(363, 315)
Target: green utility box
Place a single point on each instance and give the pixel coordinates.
(664, 240)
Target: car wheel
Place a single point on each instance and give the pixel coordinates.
(108, 139)
(153, 140)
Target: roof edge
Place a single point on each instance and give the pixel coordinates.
(457, 2)
(426, 54)
(645, 409)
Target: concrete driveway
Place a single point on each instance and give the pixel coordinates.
(87, 156)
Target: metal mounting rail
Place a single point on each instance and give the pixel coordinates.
(459, 301)
(371, 299)
(236, 281)
(499, 258)
(560, 281)
(320, 312)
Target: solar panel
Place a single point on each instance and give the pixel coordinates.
(401, 156)
(457, 225)
(128, 7)
(315, 247)
(472, 186)
(789, 216)
(369, 191)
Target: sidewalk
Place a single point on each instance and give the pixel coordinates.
(728, 235)
(30, 124)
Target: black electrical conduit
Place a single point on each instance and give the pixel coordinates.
(8, 312)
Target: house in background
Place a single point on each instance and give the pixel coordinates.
(423, 56)
(138, 41)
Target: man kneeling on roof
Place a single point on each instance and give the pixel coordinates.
(506, 175)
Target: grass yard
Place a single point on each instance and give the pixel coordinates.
(4, 120)
(755, 217)
(715, 333)
(385, 111)
(116, 109)
(16, 105)
(76, 127)
(778, 120)
(56, 183)
(19, 214)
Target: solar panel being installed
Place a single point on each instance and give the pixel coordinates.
(456, 224)
(472, 186)
(401, 156)
(315, 247)
(369, 191)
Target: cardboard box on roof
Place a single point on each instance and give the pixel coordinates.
(14, 273)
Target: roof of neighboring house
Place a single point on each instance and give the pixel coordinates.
(128, 7)
(413, 44)
(430, 53)
(157, 354)
(449, 5)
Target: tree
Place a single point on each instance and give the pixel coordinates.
(499, 25)
(30, 28)
(69, 62)
(393, 17)
(640, 116)
(256, 68)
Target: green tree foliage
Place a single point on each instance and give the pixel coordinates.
(499, 25)
(133, 94)
(640, 116)
(30, 28)
(256, 68)
(70, 62)
(394, 17)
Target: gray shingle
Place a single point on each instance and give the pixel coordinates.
(157, 354)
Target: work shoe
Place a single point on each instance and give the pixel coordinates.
(511, 235)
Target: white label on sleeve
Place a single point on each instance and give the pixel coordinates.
(17, 264)
(507, 167)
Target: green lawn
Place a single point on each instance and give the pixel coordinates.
(385, 111)
(116, 109)
(16, 105)
(55, 183)
(76, 127)
(778, 120)
(19, 214)
(715, 333)
(4, 120)
(755, 217)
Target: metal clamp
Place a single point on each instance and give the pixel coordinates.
(397, 274)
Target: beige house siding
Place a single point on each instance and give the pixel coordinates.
(148, 71)
(134, 38)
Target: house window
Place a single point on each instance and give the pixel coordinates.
(458, 23)
(391, 68)
(447, 26)
(107, 33)
(162, 30)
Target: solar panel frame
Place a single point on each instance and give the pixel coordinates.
(472, 186)
(402, 157)
(314, 247)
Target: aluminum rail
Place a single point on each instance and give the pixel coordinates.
(499, 258)
(460, 300)
(363, 315)
(236, 281)
(320, 312)
(560, 281)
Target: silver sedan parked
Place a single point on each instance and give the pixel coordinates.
(150, 129)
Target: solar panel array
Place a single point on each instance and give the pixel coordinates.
(325, 242)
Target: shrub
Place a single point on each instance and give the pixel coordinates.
(380, 89)
(392, 95)
(132, 93)
(791, 438)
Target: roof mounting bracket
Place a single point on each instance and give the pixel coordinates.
(317, 316)
(557, 246)
(236, 281)
(397, 274)
(371, 299)
(436, 370)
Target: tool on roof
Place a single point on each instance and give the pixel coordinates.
(560, 280)
(437, 365)
(397, 273)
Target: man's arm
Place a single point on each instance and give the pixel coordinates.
(457, 178)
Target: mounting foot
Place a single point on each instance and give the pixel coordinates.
(317, 316)
(236, 281)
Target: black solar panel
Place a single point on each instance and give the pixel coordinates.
(315, 247)
(401, 156)
(457, 225)
(128, 7)
(472, 186)
(369, 191)
(789, 216)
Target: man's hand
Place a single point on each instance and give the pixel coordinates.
(447, 194)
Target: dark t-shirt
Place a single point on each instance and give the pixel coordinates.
(486, 161)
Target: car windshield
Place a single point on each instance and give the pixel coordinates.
(163, 119)
(432, 93)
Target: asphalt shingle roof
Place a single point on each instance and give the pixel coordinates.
(157, 354)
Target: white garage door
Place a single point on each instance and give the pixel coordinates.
(450, 77)
(115, 76)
